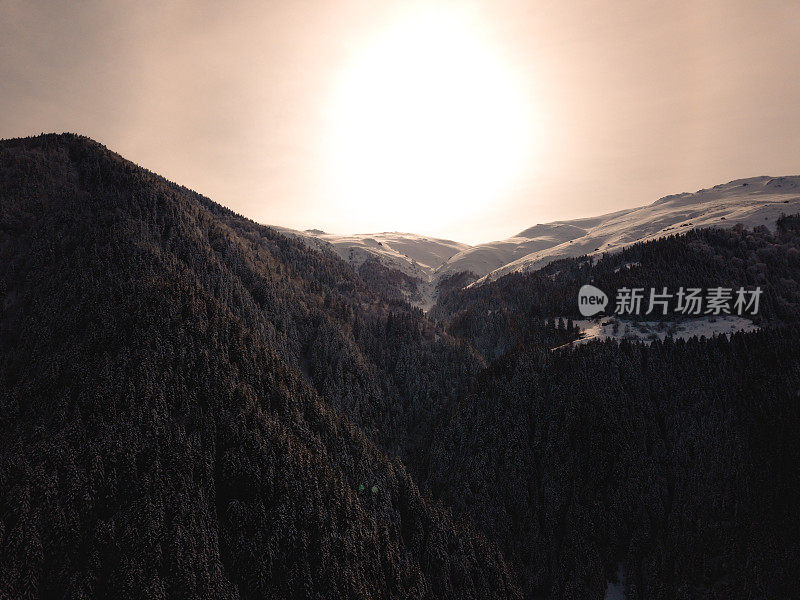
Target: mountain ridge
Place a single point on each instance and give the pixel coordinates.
(750, 201)
(194, 405)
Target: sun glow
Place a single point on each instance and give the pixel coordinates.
(427, 125)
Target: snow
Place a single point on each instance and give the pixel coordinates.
(751, 202)
(627, 265)
(646, 331)
(415, 255)
(615, 590)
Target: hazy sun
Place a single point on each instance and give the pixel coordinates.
(427, 124)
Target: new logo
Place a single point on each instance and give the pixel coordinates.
(591, 300)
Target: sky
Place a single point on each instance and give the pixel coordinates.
(468, 120)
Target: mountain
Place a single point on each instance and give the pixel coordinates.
(662, 463)
(421, 265)
(502, 314)
(414, 258)
(751, 202)
(186, 399)
(195, 405)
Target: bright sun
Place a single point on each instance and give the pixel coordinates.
(427, 125)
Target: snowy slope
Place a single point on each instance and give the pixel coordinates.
(412, 254)
(754, 201)
(417, 256)
(646, 331)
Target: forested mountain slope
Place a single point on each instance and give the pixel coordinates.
(160, 438)
(677, 462)
(502, 314)
(673, 462)
(193, 405)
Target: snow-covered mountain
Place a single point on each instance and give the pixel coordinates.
(754, 201)
(416, 256)
(427, 260)
(412, 254)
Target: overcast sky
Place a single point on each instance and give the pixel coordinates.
(630, 100)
